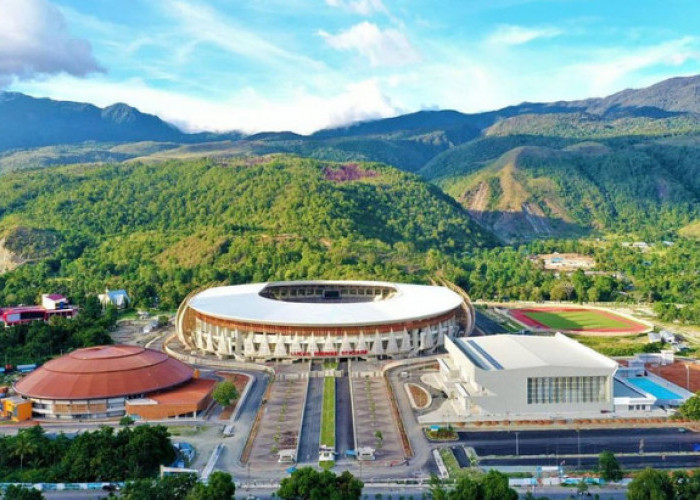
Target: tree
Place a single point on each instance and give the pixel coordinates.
(609, 467)
(437, 489)
(495, 487)
(686, 486)
(24, 445)
(691, 408)
(467, 489)
(219, 487)
(225, 393)
(650, 484)
(561, 291)
(14, 492)
(175, 487)
(379, 437)
(126, 421)
(581, 487)
(307, 483)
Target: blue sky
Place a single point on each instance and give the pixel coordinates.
(303, 65)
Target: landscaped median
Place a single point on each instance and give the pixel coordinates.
(328, 418)
(328, 415)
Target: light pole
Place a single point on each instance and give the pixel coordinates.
(578, 438)
(517, 444)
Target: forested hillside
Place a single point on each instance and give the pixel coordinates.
(627, 163)
(162, 230)
(562, 189)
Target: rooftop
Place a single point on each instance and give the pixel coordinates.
(104, 372)
(512, 352)
(55, 296)
(244, 303)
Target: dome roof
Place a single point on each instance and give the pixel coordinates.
(104, 372)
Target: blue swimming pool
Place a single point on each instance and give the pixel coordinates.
(653, 388)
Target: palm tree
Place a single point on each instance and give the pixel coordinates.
(23, 445)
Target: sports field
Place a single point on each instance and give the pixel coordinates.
(576, 320)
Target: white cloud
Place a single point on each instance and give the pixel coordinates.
(247, 110)
(389, 47)
(206, 25)
(610, 68)
(518, 35)
(35, 41)
(362, 7)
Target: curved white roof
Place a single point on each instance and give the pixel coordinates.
(244, 303)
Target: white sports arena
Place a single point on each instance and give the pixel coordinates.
(322, 319)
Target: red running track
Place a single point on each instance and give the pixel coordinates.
(521, 315)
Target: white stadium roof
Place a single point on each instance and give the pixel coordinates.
(512, 352)
(245, 304)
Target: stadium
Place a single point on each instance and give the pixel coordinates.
(321, 319)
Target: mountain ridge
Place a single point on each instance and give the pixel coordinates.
(671, 97)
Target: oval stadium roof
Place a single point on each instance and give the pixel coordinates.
(245, 304)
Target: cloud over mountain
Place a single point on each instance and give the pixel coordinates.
(35, 41)
(387, 47)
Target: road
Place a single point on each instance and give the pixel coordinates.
(245, 417)
(631, 462)
(309, 439)
(487, 326)
(561, 493)
(75, 495)
(344, 435)
(566, 442)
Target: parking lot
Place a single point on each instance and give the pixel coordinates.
(636, 448)
(570, 442)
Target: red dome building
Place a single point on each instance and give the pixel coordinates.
(99, 382)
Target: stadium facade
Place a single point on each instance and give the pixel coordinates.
(321, 319)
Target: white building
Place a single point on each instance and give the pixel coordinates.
(511, 375)
(54, 302)
(321, 319)
(117, 298)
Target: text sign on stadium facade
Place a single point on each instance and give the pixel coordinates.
(358, 352)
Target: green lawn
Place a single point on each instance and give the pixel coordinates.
(328, 415)
(578, 320)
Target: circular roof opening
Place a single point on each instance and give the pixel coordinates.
(328, 293)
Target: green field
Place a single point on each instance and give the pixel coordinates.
(579, 320)
(328, 415)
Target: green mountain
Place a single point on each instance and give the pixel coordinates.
(562, 189)
(162, 229)
(614, 164)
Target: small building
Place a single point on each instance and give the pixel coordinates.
(326, 454)
(654, 337)
(171, 471)
(365, 453)
(287, 456)
(186, 400)
(17, 409)
(117, 298)
(54, 301)
(565, 261)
